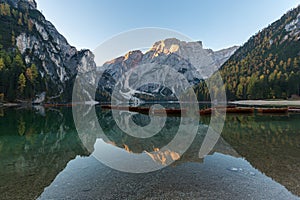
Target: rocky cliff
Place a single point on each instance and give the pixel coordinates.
(41, 44)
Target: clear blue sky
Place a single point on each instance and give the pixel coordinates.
(218, 23)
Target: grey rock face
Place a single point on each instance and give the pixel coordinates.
(293, 28)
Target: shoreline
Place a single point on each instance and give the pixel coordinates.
(267, 102)
(239, 102)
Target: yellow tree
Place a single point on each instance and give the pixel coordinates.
(2, 65)
(34, 71)
(20, 21)
(7, 9)
(22, 83)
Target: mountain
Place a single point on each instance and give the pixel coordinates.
(267, 65)
(37, 63)
(187, 58)
(34, 57)
(206, 61)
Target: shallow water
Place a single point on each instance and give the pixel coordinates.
(42, 155)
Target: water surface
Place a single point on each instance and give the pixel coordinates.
(42, 156)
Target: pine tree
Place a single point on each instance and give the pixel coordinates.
(20, 20)
(13, 38)
(30, 25)
(29, 75)
(19, 61)
(14, 13)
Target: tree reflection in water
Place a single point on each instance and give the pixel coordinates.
(34, 149)
(271, 143)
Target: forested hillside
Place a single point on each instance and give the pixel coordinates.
(266, 66)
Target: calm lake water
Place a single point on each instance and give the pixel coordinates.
(42, 156)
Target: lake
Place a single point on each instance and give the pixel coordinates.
(43, 156)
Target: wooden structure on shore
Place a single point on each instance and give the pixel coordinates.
(228, 109)
(145, 110)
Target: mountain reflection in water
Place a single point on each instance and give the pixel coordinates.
(35, 147)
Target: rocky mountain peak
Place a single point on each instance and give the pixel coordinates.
(174, 45)
(133, 55)
(130, 58)
(206, 61)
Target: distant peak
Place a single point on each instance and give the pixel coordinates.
(134, 53)
(175, 41)
(171, 45)
(131, 55)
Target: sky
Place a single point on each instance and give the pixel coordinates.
(217, 23)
